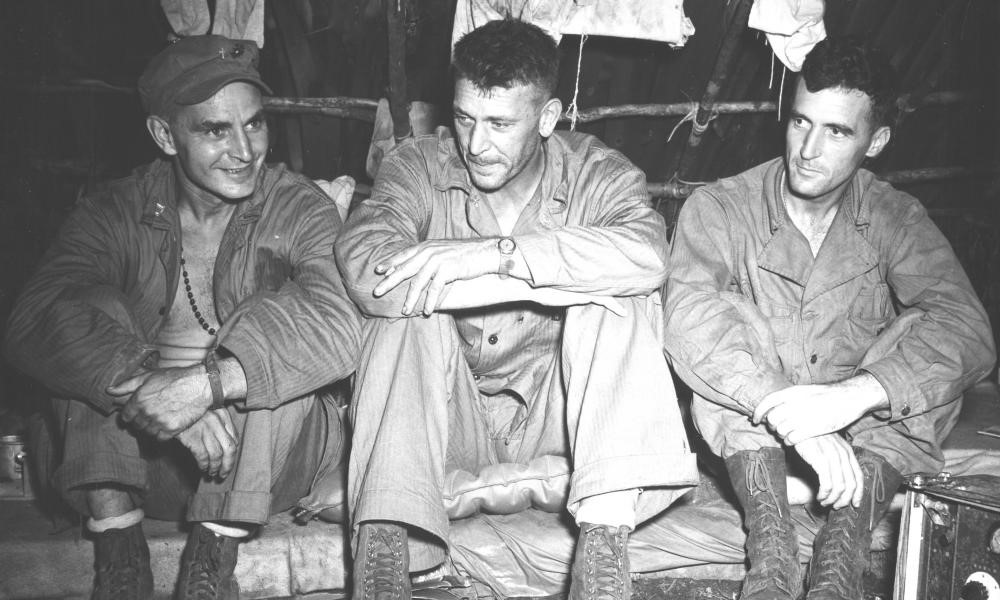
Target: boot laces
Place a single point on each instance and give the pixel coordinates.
(605, 564)
(383, 567)
(837, 562)
(878, 491)
(204, 576)
(759, 480)
(771, 567)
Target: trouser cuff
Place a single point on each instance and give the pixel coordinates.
(242, 507)
(101, 468)
(413, 512)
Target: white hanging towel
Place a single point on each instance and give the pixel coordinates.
(187, 17)
(658, 20)
(240, 20)
(234, 19)
(793, 27)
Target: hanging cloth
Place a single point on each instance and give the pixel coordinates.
(234, 19)
(658, 20)
(793, 27)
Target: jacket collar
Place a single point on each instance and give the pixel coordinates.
(845, 253)
(158, 182)
(858, 211)
(452, 174)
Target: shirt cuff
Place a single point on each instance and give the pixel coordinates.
(122, 366)
(259, 388)
(764, 383)
(900, 383)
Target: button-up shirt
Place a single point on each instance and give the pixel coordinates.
(881, 255)
(588, 228)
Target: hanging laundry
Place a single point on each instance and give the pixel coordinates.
(658, 20)
(187, 17)
(234, 19)
(793, 27)
(240, 20)
(424, 118)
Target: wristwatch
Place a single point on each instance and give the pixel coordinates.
(506, 246)
(214, 381)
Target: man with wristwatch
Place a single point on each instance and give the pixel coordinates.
(193, 309)
(508, 272)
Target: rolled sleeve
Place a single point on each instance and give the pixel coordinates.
(619, 246)
(899, 382)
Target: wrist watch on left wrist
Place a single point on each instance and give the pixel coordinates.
(506, 246)
(214, 381)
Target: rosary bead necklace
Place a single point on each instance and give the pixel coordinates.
(190, 294)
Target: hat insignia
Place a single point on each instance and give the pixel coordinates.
(235, 51)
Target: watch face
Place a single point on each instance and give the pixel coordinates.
(506, 245)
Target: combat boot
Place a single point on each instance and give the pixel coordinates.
(382, 563)
(842, 546)
(600, 564)
(207, 566)
(121, 565)
(758, 478)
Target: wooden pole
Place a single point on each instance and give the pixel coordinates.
(678, 190)
(723, 65)
(679, 109)
(398, 103)
(361, 109)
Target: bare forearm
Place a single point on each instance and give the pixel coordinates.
(866, 391)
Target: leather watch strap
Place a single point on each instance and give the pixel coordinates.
(214, 381)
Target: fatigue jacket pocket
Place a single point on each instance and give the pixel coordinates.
(871, 310)
(781, 319)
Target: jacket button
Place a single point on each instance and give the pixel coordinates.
(905, 411)
(163, 309)
(493, 339)
(812, 359)
(557, 317)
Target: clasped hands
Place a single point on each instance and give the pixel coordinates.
(810, 419)
(174, 403)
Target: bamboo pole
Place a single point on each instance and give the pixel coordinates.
(678, 190)
(361, 109)
(905, 102)
(723, 65)
(398, 102)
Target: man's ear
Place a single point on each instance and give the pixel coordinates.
(160, 130)
(880, 139)
(551, 111)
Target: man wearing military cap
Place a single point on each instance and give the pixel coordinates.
(192, 309)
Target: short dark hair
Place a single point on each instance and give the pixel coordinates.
(849, 63)
(505, 53)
